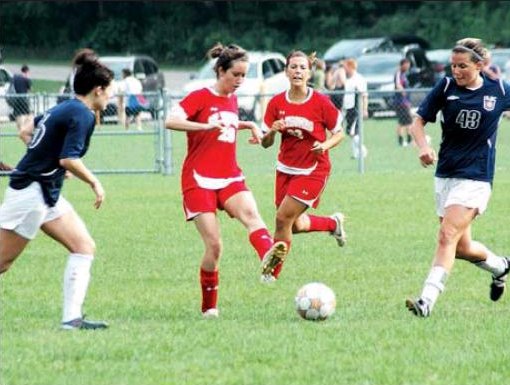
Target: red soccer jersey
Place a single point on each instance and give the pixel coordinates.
(306, 123)
(211, 158)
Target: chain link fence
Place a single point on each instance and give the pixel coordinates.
(126, 143)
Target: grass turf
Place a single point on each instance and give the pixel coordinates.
(145, 283)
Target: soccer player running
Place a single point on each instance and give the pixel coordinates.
(211, 178)
(471, 105)
(302, 116)
(33, 200)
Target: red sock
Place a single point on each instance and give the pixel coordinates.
(278, 268)
(321, 223)
(261, 241)
(209, 281)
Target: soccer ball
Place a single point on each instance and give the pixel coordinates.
(315, 301)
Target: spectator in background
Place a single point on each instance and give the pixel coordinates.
(130, 89)
(354, 83)
(22, 84)
(337, 84)
(319, 76)
(491, 69)
(403, 104)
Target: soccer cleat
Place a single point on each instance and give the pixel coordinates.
(498, 283)
(274, 256)
(419, 307)
(211, 313)
(267, 278)
(82, 323)
(339, 233)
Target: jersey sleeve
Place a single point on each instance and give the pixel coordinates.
(332, 116)
(434, 101)
(192, 104)
(76, 139)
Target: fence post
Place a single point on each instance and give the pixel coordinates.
(167, 137)
(361, 157)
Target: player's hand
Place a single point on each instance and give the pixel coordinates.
(278, 125)
(318, 148)
(100, 194)
(427, 156)
(256, 133)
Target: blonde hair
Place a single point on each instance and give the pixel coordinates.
(351, 63)
(473, 46)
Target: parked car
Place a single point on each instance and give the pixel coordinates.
(379, 70)
(353, 48)
(5, 82)
(265, 77)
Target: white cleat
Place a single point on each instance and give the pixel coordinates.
(339, 233)
(211, 313)
(267, 278)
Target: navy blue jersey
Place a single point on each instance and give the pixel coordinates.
(63, 132)
(469, 122)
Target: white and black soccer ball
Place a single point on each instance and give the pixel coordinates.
(315, 301)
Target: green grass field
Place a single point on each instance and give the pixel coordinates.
(145, 283)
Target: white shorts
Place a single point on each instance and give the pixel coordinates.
(469, 193)
(24, 211)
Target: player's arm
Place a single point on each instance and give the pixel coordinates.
(178, 120)
(332, 141)
(256, 133)
(78, 168)
(426, 153)
(269, 136)
(26, 131)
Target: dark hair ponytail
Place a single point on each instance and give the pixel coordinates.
(90, 74)
(226, 56)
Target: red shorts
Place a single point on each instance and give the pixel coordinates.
(200, 200)
(305, 188)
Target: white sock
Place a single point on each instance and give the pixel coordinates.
(493, 264)
(76, 281)
(434, 285)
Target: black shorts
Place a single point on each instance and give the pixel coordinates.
(20, 105)
(351, 122)
(403, 114)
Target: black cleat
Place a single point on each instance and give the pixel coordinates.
(498, 283)
(82, 323)
(419, 307)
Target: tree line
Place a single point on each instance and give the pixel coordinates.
(180, 32)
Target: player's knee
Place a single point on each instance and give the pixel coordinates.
(84, 246)
(447, 235)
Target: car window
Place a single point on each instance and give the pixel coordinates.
(138, 67)
(4, 77)
(267, 70)
(378, 65)
(150, 67)
(277, 66)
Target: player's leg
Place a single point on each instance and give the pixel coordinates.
(11, 246)
(454, 224)
(65, 226)
(209, 229)
(481, 256)
(242, 206)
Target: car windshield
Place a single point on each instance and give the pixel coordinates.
(117, 67)
(352, 48)
(207, 71)
(378, 65)
(439, 55)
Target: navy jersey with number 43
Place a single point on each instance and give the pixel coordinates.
(469, 122)
(63, 132)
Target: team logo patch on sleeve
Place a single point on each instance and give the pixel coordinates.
(489, 102)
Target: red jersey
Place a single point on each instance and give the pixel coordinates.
(306, 123)
(211, 161)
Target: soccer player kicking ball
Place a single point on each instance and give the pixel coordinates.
(211, 178)
(302, 116)
(56, 142)
(471, 105)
